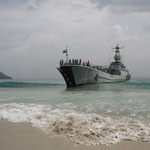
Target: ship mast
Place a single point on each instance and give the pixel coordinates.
(67, 54)
(65, 51)
(117, 56)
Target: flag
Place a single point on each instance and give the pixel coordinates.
(65, 51)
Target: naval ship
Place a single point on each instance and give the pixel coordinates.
(76, 73)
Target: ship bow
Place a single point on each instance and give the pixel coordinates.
(67, 75)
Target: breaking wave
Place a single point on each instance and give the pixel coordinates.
(18, 84)
(139, 84)
(90, 129)
(26, 84)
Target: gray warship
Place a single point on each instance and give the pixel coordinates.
(76, 73)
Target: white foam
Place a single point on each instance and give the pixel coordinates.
(80, 128)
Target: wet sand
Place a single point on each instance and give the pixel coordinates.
(22, 136)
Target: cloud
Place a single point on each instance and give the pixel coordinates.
(20, 4)
(147, 28)
(123, 6)
(33, 34)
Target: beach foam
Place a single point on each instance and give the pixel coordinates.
(90, 129)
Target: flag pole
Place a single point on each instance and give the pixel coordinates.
(67, 54)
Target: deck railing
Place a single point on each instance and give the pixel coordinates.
(84, 63)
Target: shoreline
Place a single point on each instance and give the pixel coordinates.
(22, 136)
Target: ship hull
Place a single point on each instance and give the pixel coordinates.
(75, 75)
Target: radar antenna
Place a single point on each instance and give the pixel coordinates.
(117, 56)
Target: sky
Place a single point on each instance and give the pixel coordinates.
(33, 34)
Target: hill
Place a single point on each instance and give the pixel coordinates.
(3, 76)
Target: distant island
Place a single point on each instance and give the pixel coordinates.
(3, 76)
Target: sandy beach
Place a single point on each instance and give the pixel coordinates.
(22, 136)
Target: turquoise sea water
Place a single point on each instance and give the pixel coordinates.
(91, 114)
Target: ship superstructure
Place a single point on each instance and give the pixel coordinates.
(75, 72)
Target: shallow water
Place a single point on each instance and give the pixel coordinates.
(92, 114)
